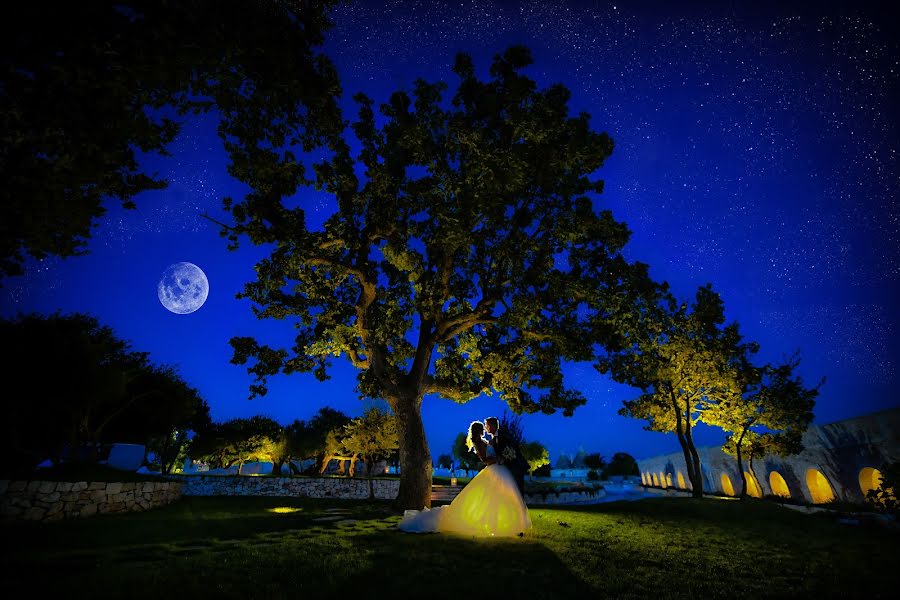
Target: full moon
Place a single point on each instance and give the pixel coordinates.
(183, 288)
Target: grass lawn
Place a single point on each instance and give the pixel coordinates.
(284, 548)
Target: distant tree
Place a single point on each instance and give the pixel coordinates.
(542, 471)
(445, 461)
(683, 360)
(563, 462)
(536, 455)
(88, 86)
(85, 387)
(621, 464)
(468, 460)
(371, 436)
(479, 275)
(594, 461)
(769, 417)
(309, 439)
(236, 442)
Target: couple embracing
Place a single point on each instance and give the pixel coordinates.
(492, 504)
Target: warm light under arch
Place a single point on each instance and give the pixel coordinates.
(752, 486)
(681, 483)
(779, 485)
(726, 484)
(869, 479)
(820, 489)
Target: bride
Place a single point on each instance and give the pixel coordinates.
(490, 505)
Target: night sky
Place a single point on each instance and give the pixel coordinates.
(758, 152)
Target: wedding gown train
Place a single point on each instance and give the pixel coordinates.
(490, 505)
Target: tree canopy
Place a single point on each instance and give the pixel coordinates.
(469, 259)
(85, 386)
(89, 86)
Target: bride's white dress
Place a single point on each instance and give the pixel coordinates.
(490, 505)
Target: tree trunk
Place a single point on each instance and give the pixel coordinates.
(697, 482)
(691, 459)
(276, 467)
(741, 466)
(415, 458)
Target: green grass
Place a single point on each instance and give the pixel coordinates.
(238, 548)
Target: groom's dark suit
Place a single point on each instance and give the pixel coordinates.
(518, 466)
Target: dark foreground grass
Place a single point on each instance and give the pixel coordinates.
(248, 548)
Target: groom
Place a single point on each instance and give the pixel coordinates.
(508, 453)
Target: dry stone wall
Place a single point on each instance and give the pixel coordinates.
(313, 487)
(54, 500)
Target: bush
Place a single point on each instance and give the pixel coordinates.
(884, 498)
(593, 475)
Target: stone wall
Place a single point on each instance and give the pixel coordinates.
(835, 461)
(54, 500)
(313, 487)
(585, 497)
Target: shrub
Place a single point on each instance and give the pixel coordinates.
(593, 475)
(884, 498)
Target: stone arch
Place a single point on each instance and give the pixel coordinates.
(869, 479)
(779, 485)
(752, 486)
(820, 490)
(662, 479)
(681, 483)
(655, 480)
(643, 478)
(726, 484)
(669, 480)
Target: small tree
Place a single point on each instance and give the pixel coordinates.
(236, 442)
(536, 455)
(683, 360)
(371, 436)
(594, 461)
(445, 461)
(769, 417)
(622, 464)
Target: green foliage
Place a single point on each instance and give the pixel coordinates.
(884, 497)
(85, 387)
(594, 461)
(622, 464)
(469, 258)
(237, 441)
(444, 461)
(769, 416)
(536, 455)
(372, 436)
(88, 86)
(683, 360)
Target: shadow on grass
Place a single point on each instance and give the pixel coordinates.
(239, 548)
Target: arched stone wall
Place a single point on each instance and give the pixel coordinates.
(840, 451)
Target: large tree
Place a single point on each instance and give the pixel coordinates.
(683, 359)
(468, 259)
(86, 86)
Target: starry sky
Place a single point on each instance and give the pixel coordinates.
(756, 150)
